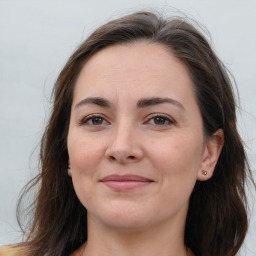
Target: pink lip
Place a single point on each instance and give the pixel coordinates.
(125, 182)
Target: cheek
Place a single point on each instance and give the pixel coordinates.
(84, 153)
(177, 159)
(175, 162)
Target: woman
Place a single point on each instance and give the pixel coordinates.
(141, 155)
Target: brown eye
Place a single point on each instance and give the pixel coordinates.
(94, 121)
(159, 120)
(97, 120)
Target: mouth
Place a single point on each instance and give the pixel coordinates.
(125, 182)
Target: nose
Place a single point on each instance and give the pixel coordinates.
(124, 145)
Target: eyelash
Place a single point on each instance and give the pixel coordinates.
(165, 118)
(92, 117)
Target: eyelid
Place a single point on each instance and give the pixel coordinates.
(85, 119)
(165, 116)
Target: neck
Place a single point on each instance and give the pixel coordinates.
(164, 239)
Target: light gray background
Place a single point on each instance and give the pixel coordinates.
(37, 37)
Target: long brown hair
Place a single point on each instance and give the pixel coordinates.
(217, 218)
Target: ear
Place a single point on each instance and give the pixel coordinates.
(211, 155)
(69, 169)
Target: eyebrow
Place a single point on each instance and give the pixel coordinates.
(94, 100)
(142, 103)
(157, 100)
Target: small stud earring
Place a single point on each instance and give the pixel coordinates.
(204, 172)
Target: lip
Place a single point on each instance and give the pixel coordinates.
(125, 182)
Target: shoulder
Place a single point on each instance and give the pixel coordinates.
(12, 250)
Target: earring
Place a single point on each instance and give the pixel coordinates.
(204, 172)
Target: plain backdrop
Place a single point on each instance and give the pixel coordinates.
(37, 37)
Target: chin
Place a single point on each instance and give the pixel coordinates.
(124, 218)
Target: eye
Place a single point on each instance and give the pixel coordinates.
(94, 120)
(160, 120)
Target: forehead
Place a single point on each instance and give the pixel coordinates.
(141, 67)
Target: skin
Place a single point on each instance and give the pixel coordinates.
(170, 150)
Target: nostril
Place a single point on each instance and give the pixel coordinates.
(131, 157)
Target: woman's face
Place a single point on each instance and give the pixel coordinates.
(135, 140)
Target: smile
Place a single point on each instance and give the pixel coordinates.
(125, 182)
